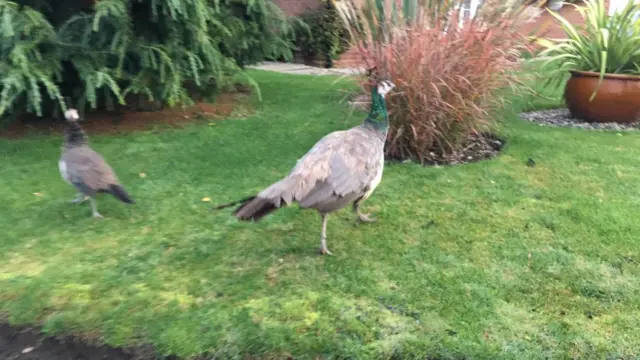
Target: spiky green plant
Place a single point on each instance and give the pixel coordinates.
(604, 44)
(101, 53)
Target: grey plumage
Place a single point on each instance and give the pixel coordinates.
(85, 169)
(343, 167)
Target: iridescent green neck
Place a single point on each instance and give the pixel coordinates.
(378, 116)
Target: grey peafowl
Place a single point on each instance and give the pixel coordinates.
(85, 169)
(343, 167)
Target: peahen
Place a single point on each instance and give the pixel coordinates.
(343, 167)
(85, 169)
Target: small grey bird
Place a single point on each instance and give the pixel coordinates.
(85, 169)
(343, 167)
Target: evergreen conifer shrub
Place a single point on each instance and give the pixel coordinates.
(103, 52)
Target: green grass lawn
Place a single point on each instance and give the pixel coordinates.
(491, 260)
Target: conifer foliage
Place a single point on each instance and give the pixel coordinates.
(100, 52)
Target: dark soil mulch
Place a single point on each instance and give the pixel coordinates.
(479, 147)
(128, 121)
(28, 344)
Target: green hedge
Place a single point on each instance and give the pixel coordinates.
(98, 52)
(323, 35)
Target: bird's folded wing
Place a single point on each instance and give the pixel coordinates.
(87, 167)
(342, 164)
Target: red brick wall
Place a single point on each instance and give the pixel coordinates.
(297, 7)
(349, 59)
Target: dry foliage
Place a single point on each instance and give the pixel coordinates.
(449, 75)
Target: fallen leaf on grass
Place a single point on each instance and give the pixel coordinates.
(143, 175)
(37, 194)
(206, 199)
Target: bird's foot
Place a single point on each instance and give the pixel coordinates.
(324, 251)
(365, 218)
(97, 215)
(78, 199)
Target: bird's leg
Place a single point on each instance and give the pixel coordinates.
(94, 208)
(323, 237)
(79, 198)
(362, 217)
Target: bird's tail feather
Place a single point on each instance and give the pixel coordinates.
(254, 208)
(258, 206)
(224, 206)
(121, 194)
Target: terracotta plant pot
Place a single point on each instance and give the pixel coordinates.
(617, 99)
(555, 5)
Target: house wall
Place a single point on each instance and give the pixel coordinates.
(619, 4)
(546, 25)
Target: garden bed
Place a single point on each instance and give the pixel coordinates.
(127, 121)
(479, 147)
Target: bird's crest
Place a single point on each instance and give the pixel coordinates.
(384, 87)
(381, 83)
(71, 115)
(372, 73)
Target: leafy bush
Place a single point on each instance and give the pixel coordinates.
(101, 52)
(322, 34)
(448, 76)
(604, 44)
